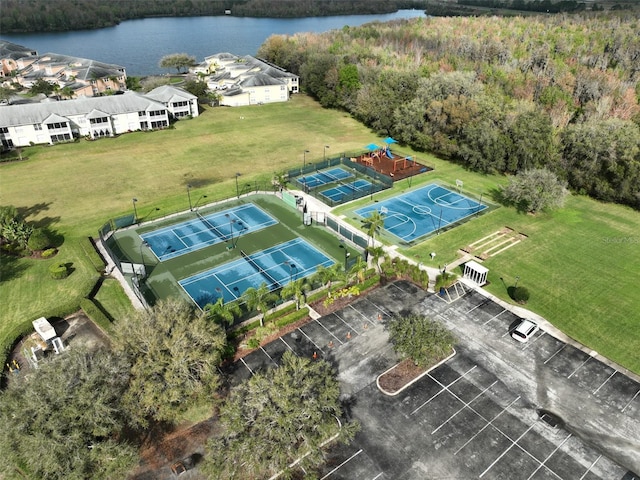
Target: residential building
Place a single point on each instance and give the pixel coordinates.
(79, 77)
(179, 102)
(246, 80)
(96, 117)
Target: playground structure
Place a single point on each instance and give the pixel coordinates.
(384, 161)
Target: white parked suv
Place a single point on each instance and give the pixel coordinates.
(525, 330)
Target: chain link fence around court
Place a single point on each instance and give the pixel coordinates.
(378, 182)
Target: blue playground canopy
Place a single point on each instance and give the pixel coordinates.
(389, 141)
(373, 146)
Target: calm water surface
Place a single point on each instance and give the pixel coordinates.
(138, 45)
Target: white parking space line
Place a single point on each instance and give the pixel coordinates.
(513, 442)
(494, 317)
(484, 302)
(557, 352)
(381, 308)
(351, 327)
(377, 476)
(533, 340)
(630, 401)
(330, 333)
(590, 467)
(602, 384)
(444, 387)
(548, 457)
(288, 346)
(248, 367)
(487, 424)
(270, 358)
(465, 405)
(342, 464)
(309, 338)
(366, 319)
(579, 367)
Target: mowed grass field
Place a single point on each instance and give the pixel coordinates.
(75, 188)
(578, 263)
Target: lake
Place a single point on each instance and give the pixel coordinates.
(138, 45)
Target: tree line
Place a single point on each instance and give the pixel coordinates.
(65, 15)
(494, 94)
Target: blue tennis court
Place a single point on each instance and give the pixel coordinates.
(420, 212)
(275, 266)
(324, 177)
(202, 231)
(338, 193)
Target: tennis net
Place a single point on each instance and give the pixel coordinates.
(210, 226)
(260, 270)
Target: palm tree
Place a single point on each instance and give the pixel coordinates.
(376, 253)
(221, 312)
(297, 289)
(373, 224)
(259, 299)
(358, 270)
(280, 180)
(327, 275)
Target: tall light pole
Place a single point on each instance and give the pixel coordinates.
(291, 267)
(324, 153)
(304, 164)
(189, 196)
(237, 189)
(346, 256)
(143, 244)
(135, 210)
(516, 285)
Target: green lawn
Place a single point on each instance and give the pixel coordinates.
(75, 188)
(576, 262)
(579, 263)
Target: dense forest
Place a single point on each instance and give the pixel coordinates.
(494, 94)
(64, 15)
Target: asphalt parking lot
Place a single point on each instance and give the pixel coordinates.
(478, 415)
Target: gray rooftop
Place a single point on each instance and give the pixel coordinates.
(36, 113)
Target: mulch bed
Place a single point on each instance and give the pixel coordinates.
(406, 371)
(318, 306)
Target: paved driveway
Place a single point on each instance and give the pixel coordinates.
(479, 414)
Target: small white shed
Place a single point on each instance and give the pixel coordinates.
(475, 272)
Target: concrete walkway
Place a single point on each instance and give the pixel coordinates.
(315, 205)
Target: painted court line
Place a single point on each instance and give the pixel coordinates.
(602, 384)
(342, 464)
(579, 367)
(557, 352)
(465, 405)
(487, 424)
(444, 387)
